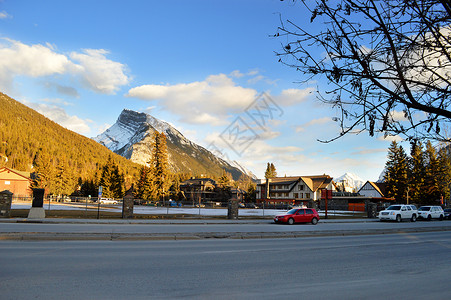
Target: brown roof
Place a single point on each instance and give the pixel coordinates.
(313, 182)
(379, 186)
(26, 175)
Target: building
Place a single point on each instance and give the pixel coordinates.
(373, 189)
(295, 190)
(17, 182)
(199, 189)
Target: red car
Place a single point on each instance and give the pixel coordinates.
(298, 215)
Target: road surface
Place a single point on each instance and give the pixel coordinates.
(389, 266)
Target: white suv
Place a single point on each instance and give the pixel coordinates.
(398, 212)
(431, 212)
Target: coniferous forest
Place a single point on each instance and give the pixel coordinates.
(424, 177)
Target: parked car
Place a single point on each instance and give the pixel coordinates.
(298, 215)
(399, 212)
(430, 212)
(108, 201)
(447, 213)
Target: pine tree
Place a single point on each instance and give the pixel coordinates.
(416, 173)
(225, 180)
(270, 171)
(43, 170)
(112, 180)
(62, 178)
(396, 175)
(145, 188)
(159, 165)
(444, 157)
(432, 176)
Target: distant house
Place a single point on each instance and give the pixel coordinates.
(17, 182)
(293, 190)
(199, 189)
(207, 190)
(373, 190)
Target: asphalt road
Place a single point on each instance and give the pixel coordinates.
(389, 266)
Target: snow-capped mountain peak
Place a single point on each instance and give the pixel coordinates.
(132, 134)
(350, 181)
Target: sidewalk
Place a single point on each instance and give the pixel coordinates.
(167, 221)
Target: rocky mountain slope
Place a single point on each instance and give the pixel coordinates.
(132, 134)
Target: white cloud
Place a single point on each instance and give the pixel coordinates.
(201, 102)
(4, 15)
(59, 115)
(98, 72)
(211, 101)
(293, 96)
(398, 115)
(90, 67)
(391, 138)
(314, 122)
(33, 61)
(236, 74)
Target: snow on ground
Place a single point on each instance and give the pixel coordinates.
(150, 210)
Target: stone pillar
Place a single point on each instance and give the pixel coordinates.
(37, 207)
(127, 204)
(232, 209)
(6, 198)
(371, 209)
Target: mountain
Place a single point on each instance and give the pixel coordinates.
(351, 182)
(25, 134)
(132, 135)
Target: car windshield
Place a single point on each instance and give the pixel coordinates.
(394, 207)
(292, 211)
(424, 208)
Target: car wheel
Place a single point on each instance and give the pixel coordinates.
(441, 218)
(429, 218)
(398, 218)
(414, 218)
(290, 221)
(314, 221)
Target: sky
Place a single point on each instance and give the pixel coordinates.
(206, 67)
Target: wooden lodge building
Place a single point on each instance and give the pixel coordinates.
(17, 182)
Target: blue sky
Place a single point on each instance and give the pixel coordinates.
(199, 65)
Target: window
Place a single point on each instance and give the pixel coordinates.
(302, 195)
(309, 211)
(307, 195)
(296, 195)
(7, 182)
(301, 187)
(300, 212)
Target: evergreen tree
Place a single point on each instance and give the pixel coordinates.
(416, 173)
(251, 194)
(225, 181)
(112, 180)
(270, 171)
(396, 175)
(175, 188)
(145, 188)
(159, 165)
(43, 170)
(62, 178)
(444, 157)
(432, 176)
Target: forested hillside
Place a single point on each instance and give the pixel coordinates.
(28, 138)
